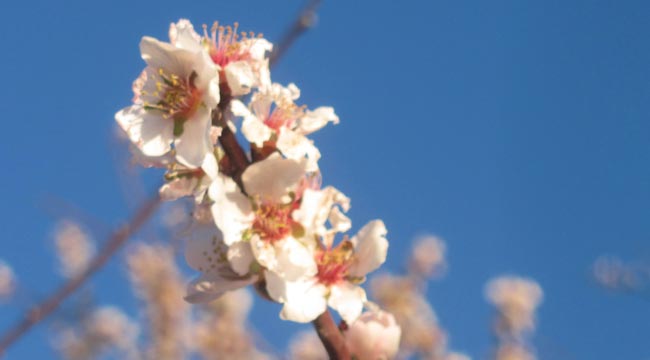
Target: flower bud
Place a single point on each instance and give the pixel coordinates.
(374, 335)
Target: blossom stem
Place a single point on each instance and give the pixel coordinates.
(331, 337)
(52, 302)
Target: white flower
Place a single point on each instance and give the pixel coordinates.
(174, 99)
(222, 268)
(182, 181)
(74, 246)
(273, 116)
(340, 269)
(241, 57)
(374, 335)
(261, 222)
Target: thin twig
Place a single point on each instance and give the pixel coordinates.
(305, 20)
(51, 303)
(331, 337)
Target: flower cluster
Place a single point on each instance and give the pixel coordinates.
(260, 217)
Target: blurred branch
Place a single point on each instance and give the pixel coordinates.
(46, 307)
(331, 337)
(305, 20)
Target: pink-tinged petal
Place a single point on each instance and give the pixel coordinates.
(232, 211)
(240, 77)
(203, 245)
(150, 133)
(370, 250)
(374, 335)
(273, 178)
(348, 300)
(194, 143)
(178, 188)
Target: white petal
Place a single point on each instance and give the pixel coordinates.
(259, 48)
(194, 143)
(316, 208)
(303, 300)
(317, 119)
(238, 108)
(150, 133)
(240, 256)
(210, 166)
(209, 287)
(182, 35)
(161, 55)
(240, 77)
(203, 246)
(288, 258)
(178, 188)
(348, 300)
(296, 146)
(231, 210)
(370, 250)
(264, 252)
(255, 131)
(273, 178)
(339, 221)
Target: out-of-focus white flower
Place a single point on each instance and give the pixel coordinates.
(206, 252)
(272, 115)
(105, 330)
(516, 299)
(74, 247)
(428, 257)
(456, 356)
(7, 281)
(514, 351)
(242, 57)
(374, 335)
(340, 269)
(174, 98)
(307, 346)
(157, 281)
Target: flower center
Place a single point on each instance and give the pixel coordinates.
(175, 97)
(226, 45)
(273, 222)
(333, 264)
(284, 114)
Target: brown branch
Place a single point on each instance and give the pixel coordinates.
(303, 22)
(51, 303)
(331, 337)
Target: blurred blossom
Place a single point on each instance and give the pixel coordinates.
(456, 356)
(428, 257)
(74, 247)
(105, 329)
(157, 281)
(420, 329)
(7, 281)
(516, 300)
(220, 330)
(374, 335)
(612, 273)
(514, 352)
(307, 346)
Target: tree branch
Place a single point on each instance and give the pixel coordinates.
(305, 20)
(51, 303)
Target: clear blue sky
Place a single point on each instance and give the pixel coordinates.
(516, 130)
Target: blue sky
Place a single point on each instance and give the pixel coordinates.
(516, 130)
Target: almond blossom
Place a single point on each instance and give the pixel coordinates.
(241, 57)
(261, 222)
(273, 116)
(174, 98)
(340, 270)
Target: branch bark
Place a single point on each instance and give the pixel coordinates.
(331, 337)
